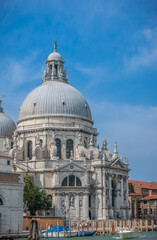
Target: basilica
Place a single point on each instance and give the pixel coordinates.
(56, 144)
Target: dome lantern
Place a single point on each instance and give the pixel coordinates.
(54, 70)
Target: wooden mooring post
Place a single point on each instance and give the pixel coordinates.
(152, 223)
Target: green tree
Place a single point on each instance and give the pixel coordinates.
(34, 198)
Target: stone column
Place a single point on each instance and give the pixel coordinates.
(85, 207)
(110, 196)
(122, 193)
(110, 191)
(122, 198)
(63, 148)
(99, 197)
(96, 205)
(127, 193)
(127, 200)
(67, 201)
(104, 197)
(86, 178)
(77, 207)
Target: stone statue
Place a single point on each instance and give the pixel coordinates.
(104, 145)
(93, 152)
(15, 140)
(53, 148)
(37, 139)
(126, 160)
(71, 200)
(15, 157)
(91, 142)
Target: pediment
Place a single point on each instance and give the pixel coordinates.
(117, 163)
(71, 167)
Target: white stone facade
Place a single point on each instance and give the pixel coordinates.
(55, 142)
(11, 202)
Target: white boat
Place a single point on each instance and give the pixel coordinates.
(128, 233)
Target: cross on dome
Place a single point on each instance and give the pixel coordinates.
(55, 46)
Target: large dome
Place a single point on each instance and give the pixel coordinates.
(54, 98)
(7, 126)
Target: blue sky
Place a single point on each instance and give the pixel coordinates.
(110, 50)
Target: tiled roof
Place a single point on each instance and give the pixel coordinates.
(6, 156)
(151, 185)
(151, 197)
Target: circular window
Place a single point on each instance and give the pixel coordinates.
(71, 166)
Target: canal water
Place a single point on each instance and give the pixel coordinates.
(143, 236)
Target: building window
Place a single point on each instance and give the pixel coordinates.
(55, 70)
(150, 211)
(65, 182)
(8, 162)
(85, 142)
(12, 144)
(145, 202)
(1, 202)
(78, 182)
(71, 181)
(152, 202)
(58, 145)
(145, 211)
(29, 149)
(69, 147)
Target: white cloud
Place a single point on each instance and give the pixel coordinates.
(18, 71)
(95, 74)
(146, 53)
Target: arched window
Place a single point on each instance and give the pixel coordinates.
(1, 202)
(78, 182)
(29, 149)
(69, 147)
(71, 181)
(58, 145)
(65, 182)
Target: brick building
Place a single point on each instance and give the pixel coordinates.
(143, 199)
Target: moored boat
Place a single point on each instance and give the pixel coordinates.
(58, 231)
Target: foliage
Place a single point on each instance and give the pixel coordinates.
(34, 198)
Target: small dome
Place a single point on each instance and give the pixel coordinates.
(55, 98)
(54, 56)
(7, 126)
